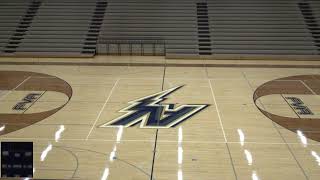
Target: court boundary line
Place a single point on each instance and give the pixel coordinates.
(225, 138)
(218, 112)
(102, 108)
(162, 141)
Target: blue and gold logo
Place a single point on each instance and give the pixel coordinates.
(150, 113)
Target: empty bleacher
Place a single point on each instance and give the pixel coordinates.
(215, 27)
(10, 15)
(51, 27)
(175, 28)
(172, 21)
(275, 27)
(314, 24)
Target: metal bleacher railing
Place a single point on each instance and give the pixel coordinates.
(172, 21)
(139, 47)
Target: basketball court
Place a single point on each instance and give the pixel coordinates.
(173, 120)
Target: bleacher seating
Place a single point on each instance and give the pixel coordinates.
(172, 21)
(175, 28)
(314, 26)
(50, 27)
(214, 27)
(10, 15)
(259, 27)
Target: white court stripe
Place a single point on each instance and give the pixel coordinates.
(119, 134)
(22, 82)
(202, 79)
(218, 112)
(164, 141)
(305, 85)
(6, 94)
(104, 105)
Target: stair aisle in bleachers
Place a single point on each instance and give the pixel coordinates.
(11, 13)
(58, 29)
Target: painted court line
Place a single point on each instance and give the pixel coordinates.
(218, 112)
(308, 87)
(22, 82)
(163, 141)
(198, 79)
(104, 105)
(5, 95)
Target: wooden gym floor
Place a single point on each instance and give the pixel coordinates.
(255, 122)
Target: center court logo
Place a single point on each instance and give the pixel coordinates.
(20, 92)
(150, 113)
